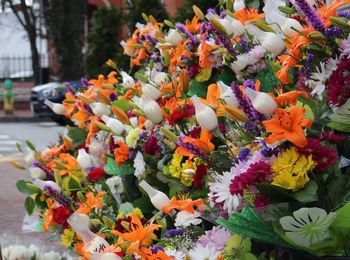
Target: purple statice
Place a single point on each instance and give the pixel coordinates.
(156, 248)
(57, 195)
(310, 15)
(222, 14)
(88, 109)
(243, 154)
(244, 45)
(49, 173)
(69, 87)
(113, 96)
(151, 39)
(193, 70)
(211, 11)
(343, 13)
(139, 40)
(132, 154)
(268, 152)
(84, 81)
(173, 232)
(183, 29)
(203, 28)
(333, 32)
(309, 58)
(217, 237)
(250, 127)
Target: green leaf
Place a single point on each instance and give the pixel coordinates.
(126, 208)
(19, 147)
(277, 194)
(29, 205)
(341, 222)
(267, 79)
(30, 145)
(33, 188)
(144, 204)
(122, 104)
(308, 194)
(22, 187)
(113, 169)
(196, 88)
(77, 135)
(340, 126)
(71, 183)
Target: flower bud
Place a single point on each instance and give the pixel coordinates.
(173, 37)
(84, 160)
(153, 111)
(42, 184)
(134, 121)
(96, 148)
(37, 173)
(160, 77)
(115, 125)
(158, 198)
(238, 5)
(57, 108)
(227, 95)
(128, 81)
(150, 91)
(100, 109)
(232, 26)
(262, 102)
(205, 115)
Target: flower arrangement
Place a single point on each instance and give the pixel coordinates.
(231, 131)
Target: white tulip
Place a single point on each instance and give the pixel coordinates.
(57, 108)
(262, 102)
(150, 91)
(37, 173)
(159, 199)
(139, 102)
(29, 157)
(173, 37)
(286, 23)
(160, 77)
(238, 5)
(100, 109)
(232, 26)
(128, 81)
(134, 121)
(92, 242)
(153, 111)
(205, 115)
(42, 184)
(84, 160)
(227, 95)
(269, 41)
(115, 125)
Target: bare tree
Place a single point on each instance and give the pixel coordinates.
(27, 18)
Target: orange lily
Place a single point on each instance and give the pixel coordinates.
(325, 12)
(288, 124)
(91, 202)
(160, 255)
(204, 55)
(193, 26)
(203, 144)
(245, 15)
(212, 100)
(138, 236)
(140, 56)
(53, 152)
(48, 215)
(98, 84)
(93, 129)
(176, 54)
(69, 161)
(121, 153)
(183, 204)
(289, 98)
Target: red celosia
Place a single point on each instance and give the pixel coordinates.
(332, 138)
(199, 175)
(195, 132)
(60, 215)
(96, 174)
(338, 84)
(181, 113)
(324, 156)
(151, 146)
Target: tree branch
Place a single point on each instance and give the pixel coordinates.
(13, 8)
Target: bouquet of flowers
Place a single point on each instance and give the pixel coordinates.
(231, 130)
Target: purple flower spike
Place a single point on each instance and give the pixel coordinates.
(310, 15)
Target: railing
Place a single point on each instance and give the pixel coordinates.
(19, 67)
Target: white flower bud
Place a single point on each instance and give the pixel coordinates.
(57, 108)
(134, 121)
(42, 184)
(227, 95)
(158, 198)
(84, 160)
(150, 91)
(232, 26)
(115, 125)
(238, 5)
(37, 173)
(205, 115)
(262, 102)
(128, 81)
(160, 77)
(153, 111)
(100, 109)
(173, 37)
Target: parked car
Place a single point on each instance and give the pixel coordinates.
(54, 92)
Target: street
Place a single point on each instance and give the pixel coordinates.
(11, 200)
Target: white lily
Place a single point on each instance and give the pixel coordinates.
(227, 95)
(173, 37)
(57, 108)
(128, 81)
(205, 115)
(150, 91)
(159, 199)
(262, 102)
(152, 111)
(115, 125)
(100, 109)
(84, 160)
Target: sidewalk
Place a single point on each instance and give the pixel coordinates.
(21, 116)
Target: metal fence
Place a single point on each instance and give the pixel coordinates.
(17, 66)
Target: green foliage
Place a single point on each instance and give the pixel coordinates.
(150, 7)
(103, 41)
(29, 205)
(186, 11)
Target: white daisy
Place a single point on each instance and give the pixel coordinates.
(186, 219)
(178, 255)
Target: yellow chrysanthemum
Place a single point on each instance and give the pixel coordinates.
(132, 137)
(175, 166)
(67, 238)
(189, 166)
(291, 168)
(137, 212)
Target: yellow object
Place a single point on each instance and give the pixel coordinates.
(8, 97)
